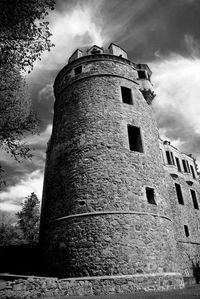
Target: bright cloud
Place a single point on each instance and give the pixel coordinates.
(27, 176)
(41, 139)
(11, 199)
(46, 93)
(176, 82)
(177, 106)
(73, 27)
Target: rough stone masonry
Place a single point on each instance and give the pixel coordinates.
(110, 205)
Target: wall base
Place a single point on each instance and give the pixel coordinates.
(98, 285)
(122, 284)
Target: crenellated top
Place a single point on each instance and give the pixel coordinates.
(78, 68)
(95, 50)
(144, 71)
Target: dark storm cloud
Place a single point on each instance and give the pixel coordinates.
(176, 127)
(42, 103)
(148, 26)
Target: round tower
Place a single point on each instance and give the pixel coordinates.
(105, 208)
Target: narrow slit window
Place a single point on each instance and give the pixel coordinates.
(170, 158)
(78, 70)
(135, 140)
(126, 95)
(188, 167)
(179, 194)
(194, 199)
(185, 166)
(150, 195)
(142, 75)
(192, 170)
(178, 164)
(186, 230)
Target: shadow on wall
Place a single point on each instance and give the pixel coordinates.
(20, 259)
(196, 271)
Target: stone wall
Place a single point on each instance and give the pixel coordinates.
(111, 244)
(185, 214)
(96, 219)
(46, 287)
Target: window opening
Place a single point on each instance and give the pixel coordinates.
(192, 170)
(150, 195)
(179, 194)
(126, 95)
(188, 167)
(178, 164)
(194, 199)
(135, 140)
(95, 51)
(185, 166)
(78, 70)
(142, 75)
(186, 230)
(170, 158)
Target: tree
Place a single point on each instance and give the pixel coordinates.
(9, 234)
(29, 218)
(24, 33)
(16, 115)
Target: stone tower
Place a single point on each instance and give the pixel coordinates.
(105, 209)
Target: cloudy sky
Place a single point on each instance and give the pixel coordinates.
(163, 34)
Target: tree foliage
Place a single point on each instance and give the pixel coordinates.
(24, 33)
(29, 218)
(10, 234)
(16, 115)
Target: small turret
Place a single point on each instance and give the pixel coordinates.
(95, 50)
(117, 51)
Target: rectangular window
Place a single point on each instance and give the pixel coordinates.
(170, 158)
(188, 167)
(186, 230)
(192, 170)
(179, 194)
(194, 199)
(135, 140)
(150, 195)
(78, 70)
(178, 164)
(185, 166)
(126, 95)
(142, 75)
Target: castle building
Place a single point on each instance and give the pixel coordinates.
(117, 200)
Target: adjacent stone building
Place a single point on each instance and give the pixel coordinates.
(118, 203)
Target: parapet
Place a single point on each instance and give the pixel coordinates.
(96, 50)
(79, 66)
(117, 51)
(77, 54)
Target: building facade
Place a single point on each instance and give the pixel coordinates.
(184, 193)
(116, 202)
